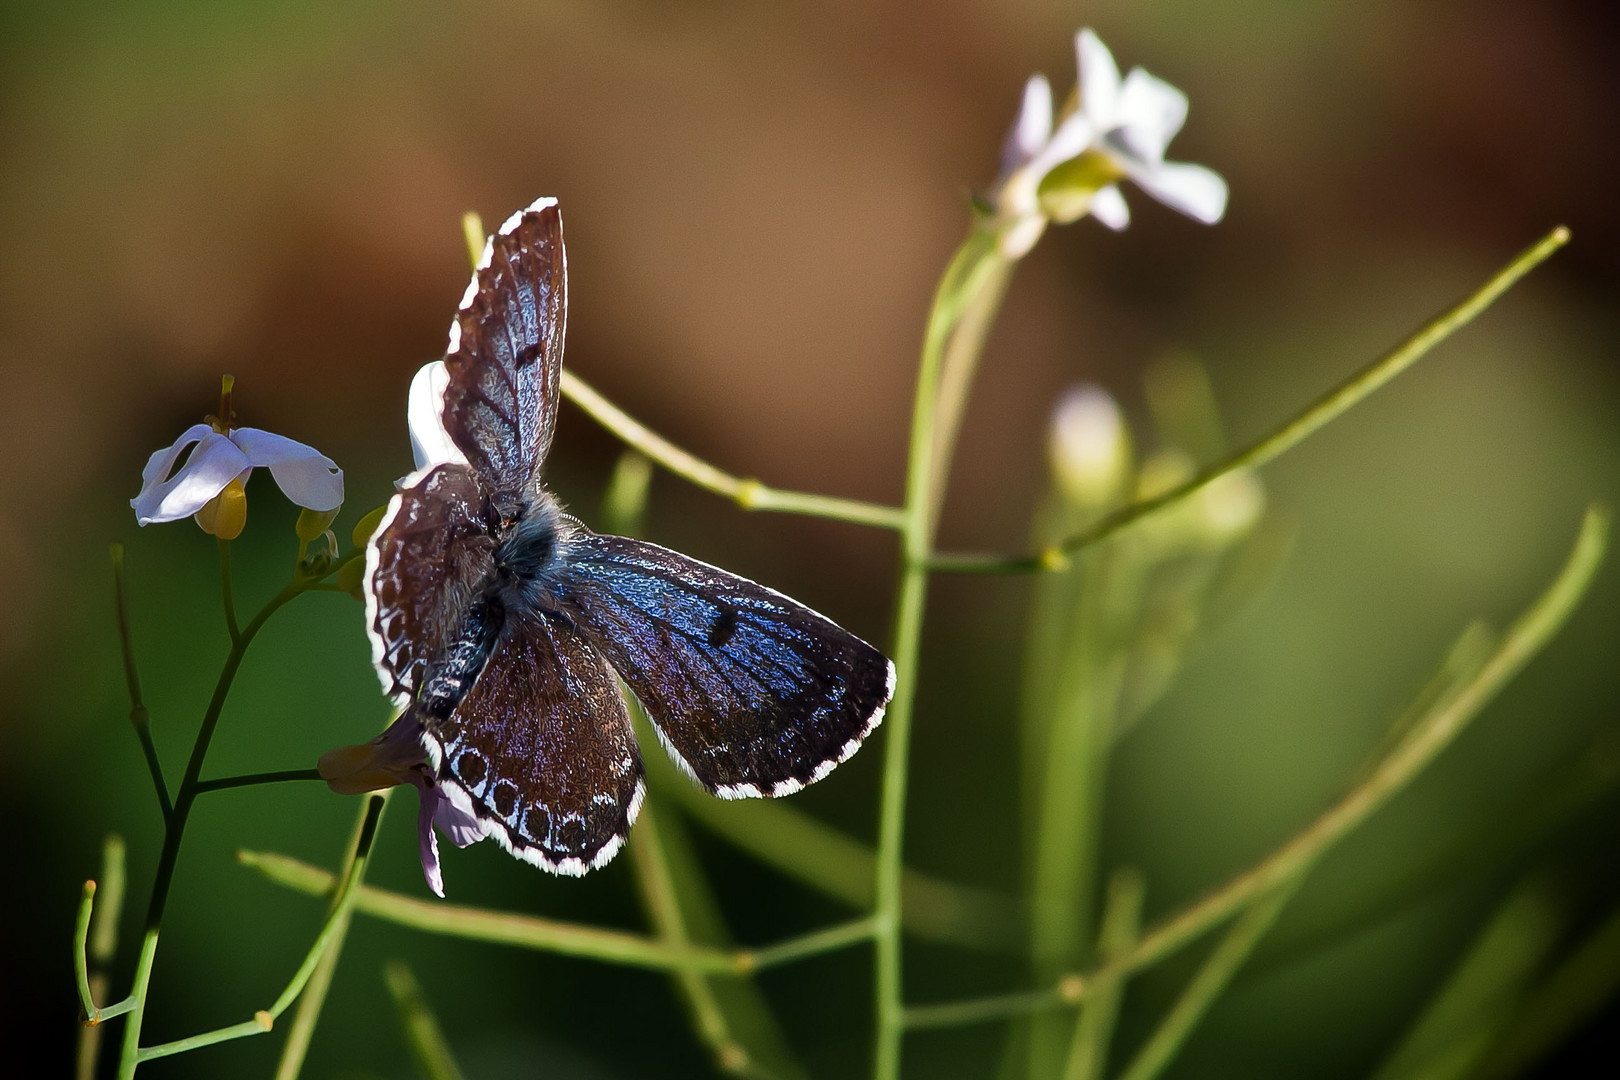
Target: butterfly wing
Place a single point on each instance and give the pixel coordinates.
(506, 346)
(753, 693)
(541, 750)
(429, 558)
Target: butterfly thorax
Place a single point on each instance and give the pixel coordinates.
(529, 543)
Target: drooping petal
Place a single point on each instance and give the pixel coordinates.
(1108, 206)
(1198, 192)
(424, 414)
(427, 841)
(1099, 79)
(394, 757)
(461, 827)
(214, 463)
(307, 476)
(1032, 127)
(1017, 239)
(1151, 111)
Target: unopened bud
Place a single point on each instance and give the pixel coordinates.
(225, 514)
(1230, 505)
(348, 579)
(1089, 446)
(311, 523)
(366, 526)
(1066, 192)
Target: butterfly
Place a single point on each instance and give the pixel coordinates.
(502, 626)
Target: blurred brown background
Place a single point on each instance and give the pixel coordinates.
(758, 200)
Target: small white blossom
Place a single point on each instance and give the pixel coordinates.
(219, 457)
(1121, 128)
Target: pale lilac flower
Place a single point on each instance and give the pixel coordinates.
(1118, 129)
(223, 456)
(398, 756)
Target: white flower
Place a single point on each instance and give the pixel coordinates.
(223, 458)
(424, 414)
(1119, 129)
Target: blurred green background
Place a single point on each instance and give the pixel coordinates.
(759, 198)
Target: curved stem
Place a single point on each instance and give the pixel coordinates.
(1330, 406)
(175, 829)
(746, 493)
(249, 779)
(227, 594)
(264, 1020)
(139, 718)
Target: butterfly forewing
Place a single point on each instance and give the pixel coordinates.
(753, 693)
(506, 345)
(541, 748)
(430, 558)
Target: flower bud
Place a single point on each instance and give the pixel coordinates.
(311, 523)
(1089, 446)
(348, 579)
(366, 526)
(1066, 192)
(225, 514)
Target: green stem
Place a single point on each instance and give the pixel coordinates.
(824, 858)
(985, 1009)
(139, 718)
(103, 946)
(812, 944)
(1285, 437)
(961, 286)
(422, 1031)
(1430, 734)
(175, 829)
(264, 1020)
(1121, 922)
(501, 928)
(249, 779)
(227, 593)
(313, 1000)
(746, 493)
(1212, 978)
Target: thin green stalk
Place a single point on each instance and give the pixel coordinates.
(497, 927)
(250, 779)
(815, 943)
(960, 364)
(1285, 437)
(1121, 923)
(661, 895)
(986, 1009)
(842, 867)
(1208, 984)
(81, 959)
(422, 1031)
(1429, 735)
(961, 285)
(264, 1020)
(175, 827)
(746, 493)
(138, 716)
(313, 1000)
(227, 593)
(103, 946)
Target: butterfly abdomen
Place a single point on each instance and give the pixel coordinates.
(458, 663)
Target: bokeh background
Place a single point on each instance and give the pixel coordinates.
(758, 199)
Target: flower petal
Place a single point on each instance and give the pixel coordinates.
(1151, 111)
(1099, 79)
(214, 463)
(307, 476)
(427, 841)
(461, 827)
(1198, 192)
(1018, 238)
(394, 757)
(1032, 127)
(1108, 206)
(424, 413)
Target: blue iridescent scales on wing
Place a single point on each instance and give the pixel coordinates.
(503, 626)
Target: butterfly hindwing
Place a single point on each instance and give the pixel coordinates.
(753, 693)
(541, 749)
(505, 355)
(430, 556)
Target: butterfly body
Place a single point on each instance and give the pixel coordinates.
(503, 626)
